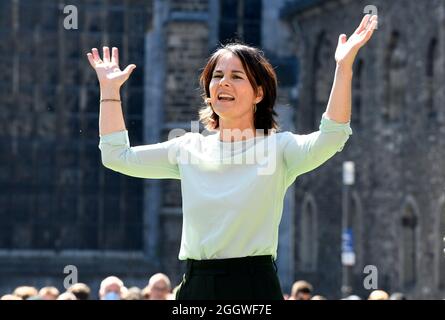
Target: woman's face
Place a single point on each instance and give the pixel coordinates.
(231, 94)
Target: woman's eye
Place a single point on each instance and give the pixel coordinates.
(220, 76)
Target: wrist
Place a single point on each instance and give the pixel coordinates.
(344, 69)
(108, 92)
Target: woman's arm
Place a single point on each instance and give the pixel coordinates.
(148, 161)
(152, 161)
(111, 118)
(111, 78)
(339, 104)
(303, 153)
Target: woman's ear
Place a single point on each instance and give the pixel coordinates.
(260, 95)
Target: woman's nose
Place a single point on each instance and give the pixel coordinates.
(223, 81)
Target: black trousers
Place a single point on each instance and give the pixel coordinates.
(248, 278)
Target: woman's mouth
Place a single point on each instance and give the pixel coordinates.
(224, 97)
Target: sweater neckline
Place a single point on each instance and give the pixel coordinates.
(239, 142)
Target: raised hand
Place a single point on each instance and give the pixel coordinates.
(108, 72)
(347, 49)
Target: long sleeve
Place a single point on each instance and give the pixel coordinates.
(157, 161)
(304, 153)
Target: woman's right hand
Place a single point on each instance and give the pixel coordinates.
(108, 72)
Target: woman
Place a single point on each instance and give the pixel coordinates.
(231, 206)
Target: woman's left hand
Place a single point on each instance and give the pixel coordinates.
(348, 49)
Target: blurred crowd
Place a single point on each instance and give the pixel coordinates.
(159, 288)
(111, 288)
(303, 290)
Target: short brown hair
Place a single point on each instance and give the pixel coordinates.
(260, 74)
(53, 291)
(301, 286)
(25, 292)
(80, 290)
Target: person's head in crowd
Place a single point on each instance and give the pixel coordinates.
(66, 296)
(49, 293)
(80, 290)
(10, 297)
(25, 292)
(397, 296)
(133, 293)
(378, 295)
(159, 286)
(111, 288)
(318, 297)
(301, 290)
(146, 293)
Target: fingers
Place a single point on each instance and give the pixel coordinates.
(371, 29)
(129, 69)
(371, 25)
(363, 24)
(374, 18)
(106, 55)
(115, 55)
(367, 33)
(96, 56)
(342, 38)
(91, 60)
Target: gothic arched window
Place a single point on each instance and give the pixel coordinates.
(431, 83)
(409, 224)
(309, 234)
(240, 19)
(396, 78)
(322, 80)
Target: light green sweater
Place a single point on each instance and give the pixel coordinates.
(232, 192)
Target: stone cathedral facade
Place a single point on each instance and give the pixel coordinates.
(60, 206)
